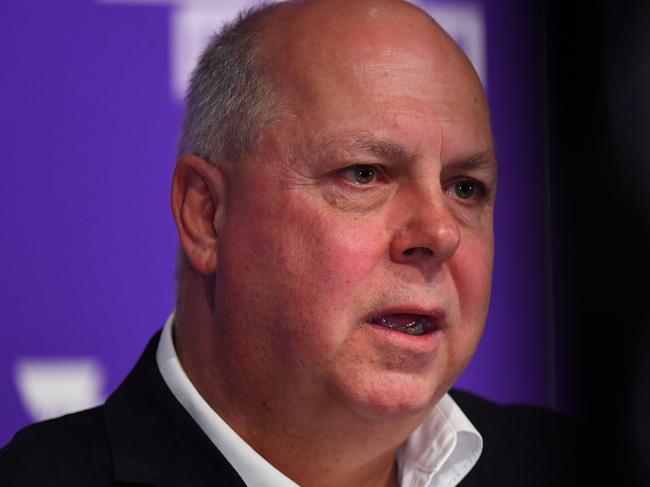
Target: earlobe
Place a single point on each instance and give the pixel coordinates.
(197, 204)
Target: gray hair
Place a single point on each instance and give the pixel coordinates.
(230, 100)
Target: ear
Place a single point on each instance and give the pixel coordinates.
(197, 203)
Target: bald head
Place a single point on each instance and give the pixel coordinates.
(258, 66)
(317, 42)
(326, 25)
(323, 55)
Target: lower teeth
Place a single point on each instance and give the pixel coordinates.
(413, 328)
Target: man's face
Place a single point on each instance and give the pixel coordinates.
(356, 246)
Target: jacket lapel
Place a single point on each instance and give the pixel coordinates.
(153, 440)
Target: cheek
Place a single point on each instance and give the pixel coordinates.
(349, 253)
(471, 271)
(316, 245)
(306, 272)
(301, 258)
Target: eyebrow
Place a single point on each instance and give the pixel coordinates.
(390, 150)
(478, 160)
(386, 149)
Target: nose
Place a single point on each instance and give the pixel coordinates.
(429, 232)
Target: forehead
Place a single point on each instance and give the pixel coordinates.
(375, 62)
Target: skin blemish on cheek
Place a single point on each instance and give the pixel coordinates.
(332, 199)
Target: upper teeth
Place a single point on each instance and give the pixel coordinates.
(415, 327)
(385, 321)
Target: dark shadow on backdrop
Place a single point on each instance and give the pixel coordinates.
(598, 132)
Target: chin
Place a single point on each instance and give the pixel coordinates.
(393, 396)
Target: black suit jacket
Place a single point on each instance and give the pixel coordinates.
(143, 436)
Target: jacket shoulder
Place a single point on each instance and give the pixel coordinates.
(526, 445)
(513, 418)
(70, 450)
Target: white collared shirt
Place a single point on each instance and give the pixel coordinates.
(439, 453)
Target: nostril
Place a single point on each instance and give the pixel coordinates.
(415, 250)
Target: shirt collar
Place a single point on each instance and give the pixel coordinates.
(442, 450)
(439, 453)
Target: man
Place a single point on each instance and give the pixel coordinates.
(334, 200)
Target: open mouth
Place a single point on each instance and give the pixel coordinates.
(411, 324)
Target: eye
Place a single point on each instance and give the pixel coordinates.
(362, 174)
(467, 189)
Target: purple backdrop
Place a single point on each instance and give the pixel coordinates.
(89, 128)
